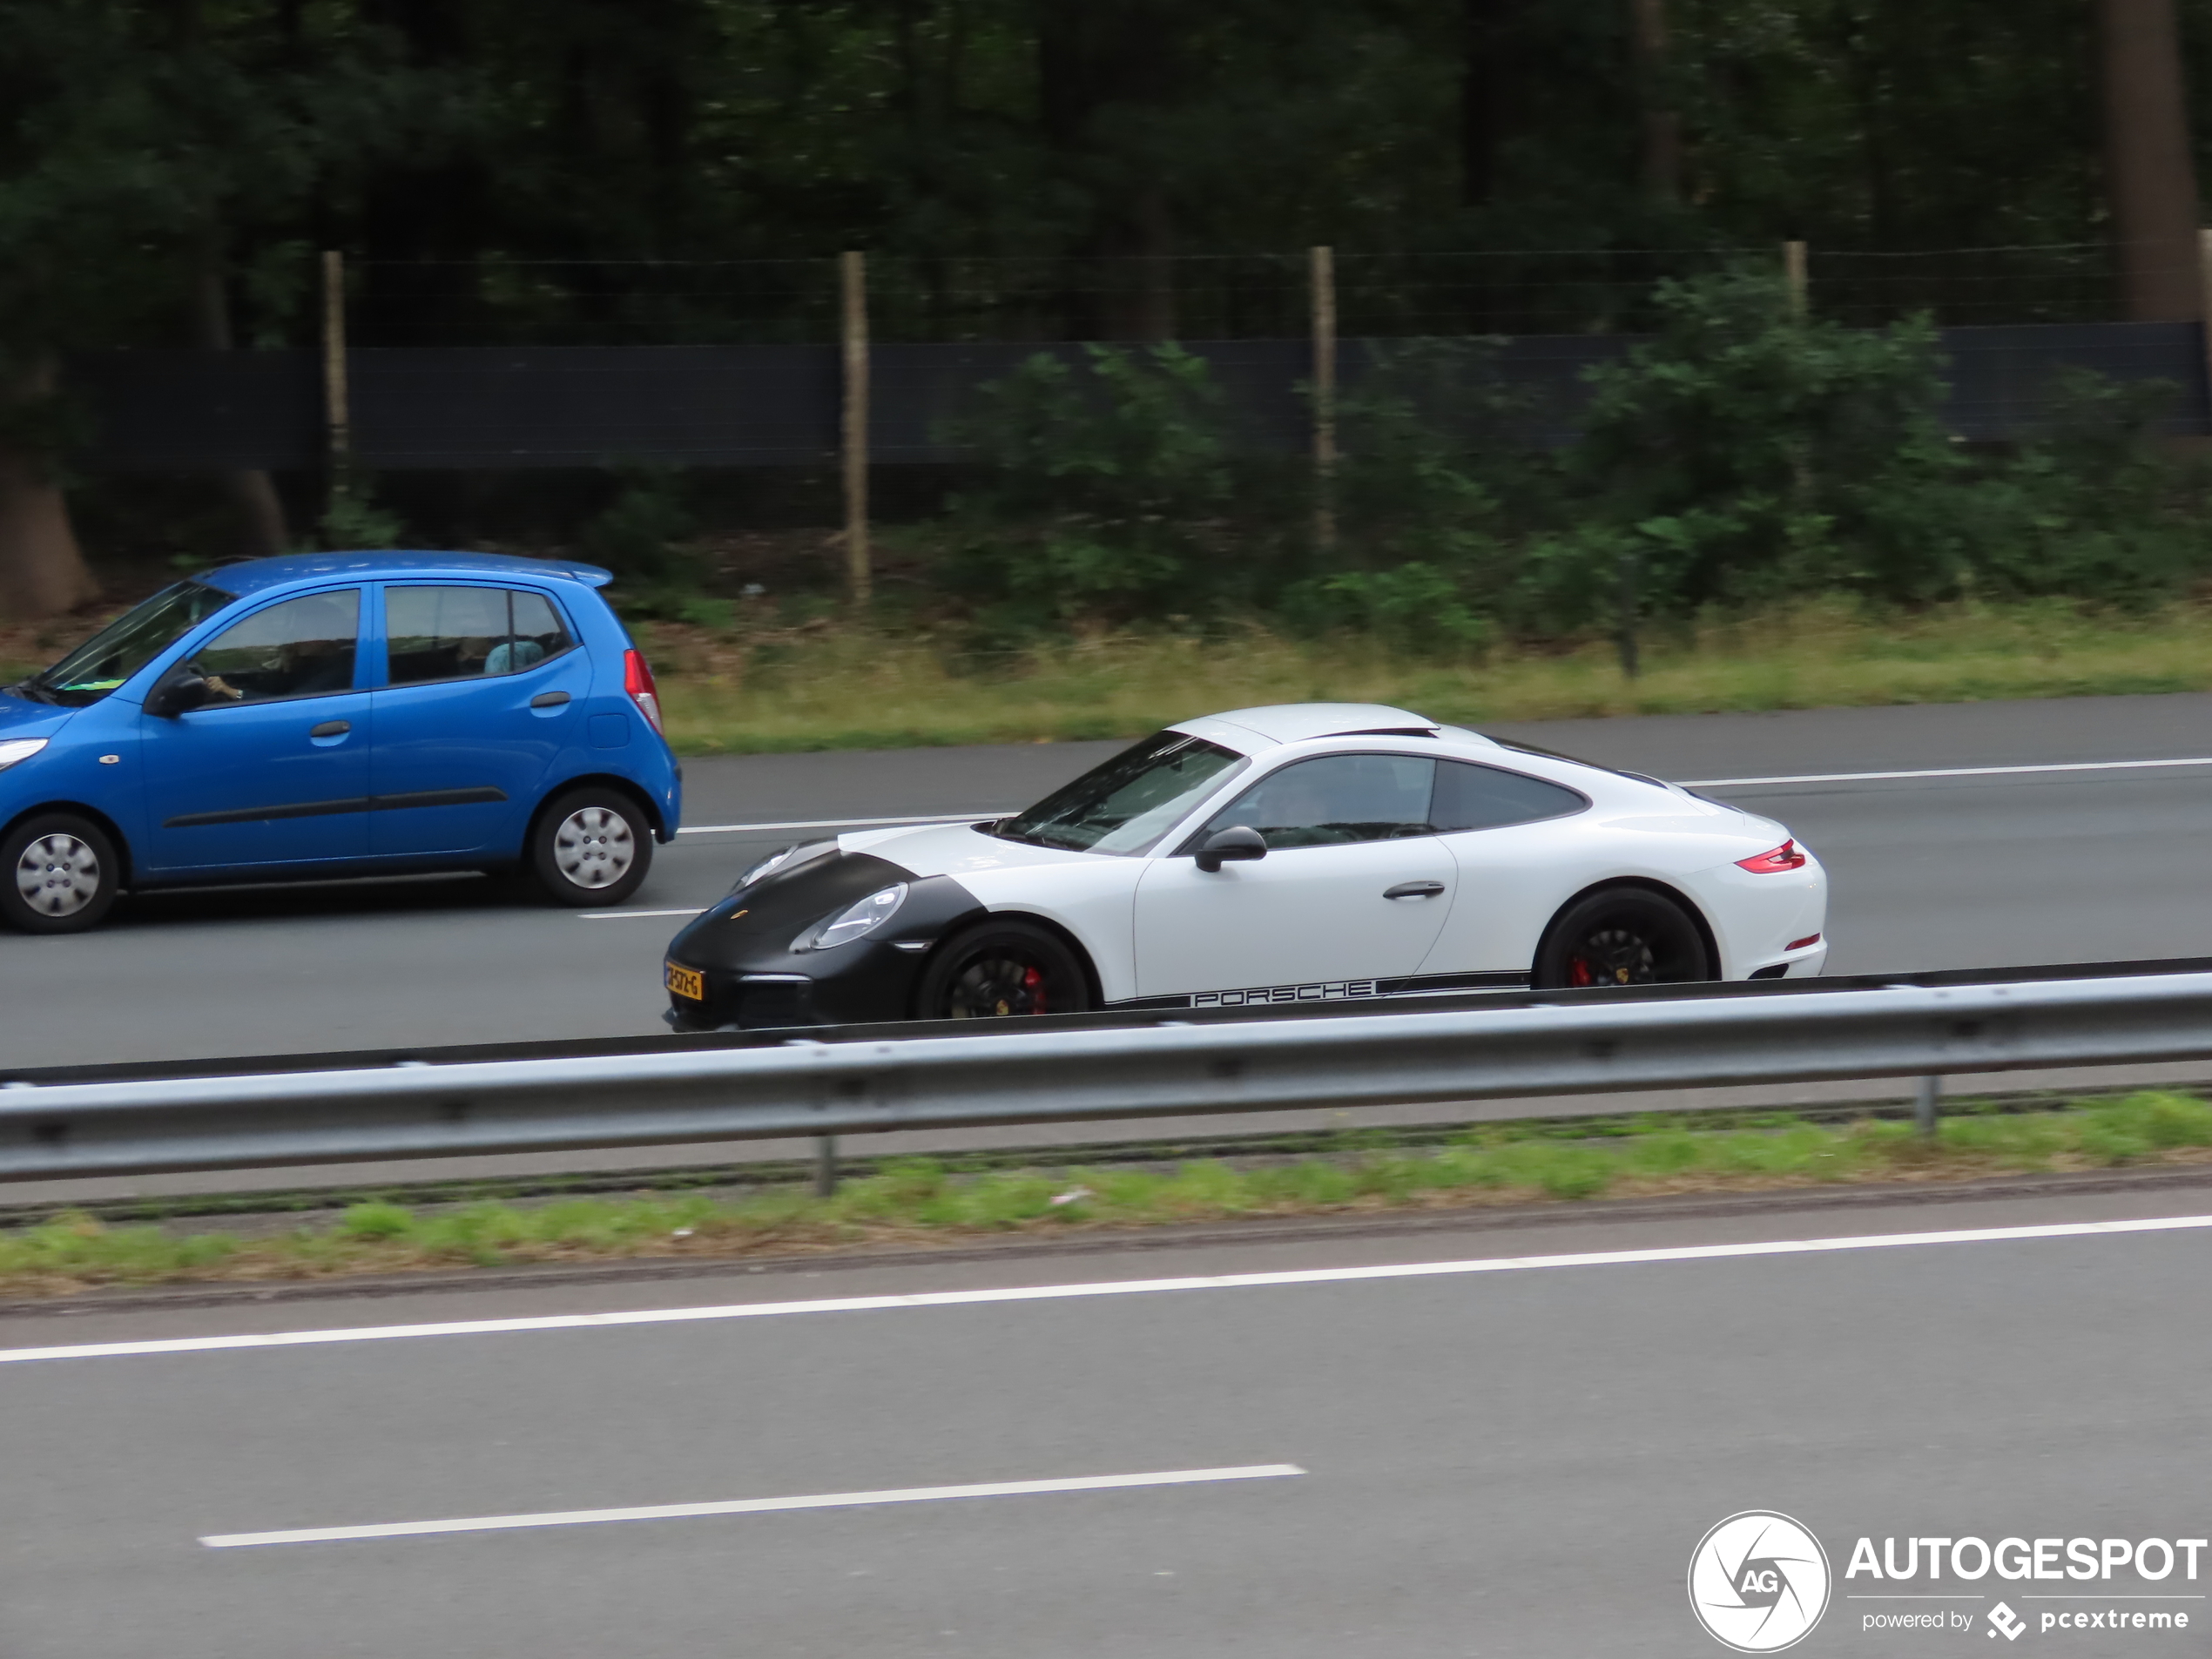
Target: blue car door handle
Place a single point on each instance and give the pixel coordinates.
(1413, 890)
(548, 699)
(331, 729)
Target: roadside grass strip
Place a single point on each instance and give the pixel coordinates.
(918, 1201)
(854, 688)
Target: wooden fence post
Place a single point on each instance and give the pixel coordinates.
(1793, 272)
(852, 274)
(1322, 266)
(337, 409)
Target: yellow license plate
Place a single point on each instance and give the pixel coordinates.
(687, 981)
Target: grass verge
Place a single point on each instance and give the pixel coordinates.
(920, 1201)
(842, 688)
(827, 686)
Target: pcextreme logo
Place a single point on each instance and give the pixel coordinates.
(1758, 1582)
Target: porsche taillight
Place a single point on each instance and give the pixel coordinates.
(637, 680)
(1782, 859)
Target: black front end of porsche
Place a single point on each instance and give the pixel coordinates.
(789, 950)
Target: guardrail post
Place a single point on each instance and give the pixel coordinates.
(1924, 1107)
(825, 1166)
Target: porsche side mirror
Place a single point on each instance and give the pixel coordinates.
(1235, 845)
(179, 694)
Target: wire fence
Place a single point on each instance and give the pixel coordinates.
(500, 300)
(498, 363)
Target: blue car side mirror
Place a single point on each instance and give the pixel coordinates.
(180, 693)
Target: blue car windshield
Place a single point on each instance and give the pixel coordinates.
(1131, 801)
(126, 645)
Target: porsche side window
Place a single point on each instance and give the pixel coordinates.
(1334, 800)
(1469, 797)
(297, 649)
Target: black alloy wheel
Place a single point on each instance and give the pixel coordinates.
(1622, 936)
(59, 874)
(592, 847)
(999, 970)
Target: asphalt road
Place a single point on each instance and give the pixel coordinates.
(1513, 1461)
(1927, 873)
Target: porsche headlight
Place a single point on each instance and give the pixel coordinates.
(854, 922)
(768, 865)
(17, 749)
(797, 854)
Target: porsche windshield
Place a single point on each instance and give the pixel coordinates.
(125, 645)
(1128, 803)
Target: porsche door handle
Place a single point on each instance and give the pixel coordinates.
(1413, 890)
(331, 729)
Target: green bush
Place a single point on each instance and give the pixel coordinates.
(641, 536)
(1106, 493)
(1743, 456)
(1433, 479)
(353, 521)
(1748, 455)
(2092, 508)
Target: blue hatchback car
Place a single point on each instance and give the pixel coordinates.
(338, 714)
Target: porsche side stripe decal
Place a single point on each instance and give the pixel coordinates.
(1333, 991)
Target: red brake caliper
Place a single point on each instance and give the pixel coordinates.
(1031, 980)
(1578, 971)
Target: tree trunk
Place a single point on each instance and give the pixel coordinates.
(2150, 182)
(1116, 66)
(1489, 101)
(1661, 122)
(260, 511)
(41, 572)
(1140, 296)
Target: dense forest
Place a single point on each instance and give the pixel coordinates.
(171, 169)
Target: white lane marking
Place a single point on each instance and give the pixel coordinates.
(617, 915)
(1941, 771)
(847, 823)
(752, 1506)
(1111, 1287)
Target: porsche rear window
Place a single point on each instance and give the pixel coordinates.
(1127, 804)
(1469, 797)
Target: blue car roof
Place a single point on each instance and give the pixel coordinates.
(257, 576)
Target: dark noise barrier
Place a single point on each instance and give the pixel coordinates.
(495, 407)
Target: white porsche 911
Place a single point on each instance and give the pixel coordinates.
(1314, 852)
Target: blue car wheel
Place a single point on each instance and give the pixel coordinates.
(59, 874)
(592, 847)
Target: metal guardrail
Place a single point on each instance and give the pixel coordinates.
(1580, 1043)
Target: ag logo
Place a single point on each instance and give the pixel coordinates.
(1758, 1582)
